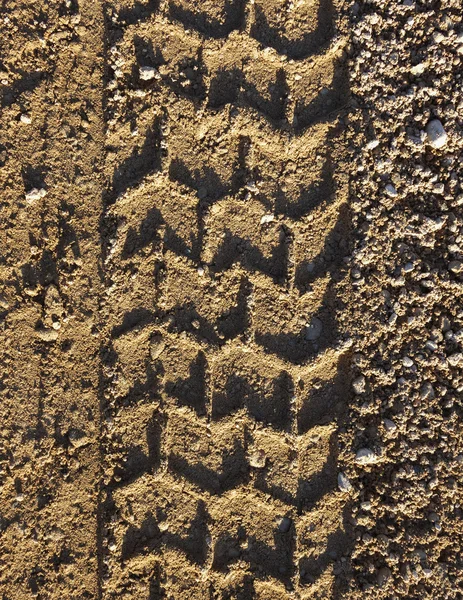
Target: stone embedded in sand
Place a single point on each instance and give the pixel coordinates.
(372, 144)
(389, 425)
(257, 459)
(147, 73)
(455, 359)
(407, 362)
(343, 483)
(314, 329)
(47, 335)
(365, 456)
(431, 345)
(409, 267)
(267, 219)
(202, 193)
(35, 194)
(427, 573)
(77, 438)
(418, 69)
(456, 266)
(383, 575)
(437, 137)
(157, 345)
(285, 524)
(390, 190)
(427, 391)
(438, 37)
(358, 385)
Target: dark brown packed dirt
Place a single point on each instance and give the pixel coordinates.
(230, 299)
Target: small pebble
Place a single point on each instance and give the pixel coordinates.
(427, 391)
(418, 69)
(77, 438)
(455, 359)
(365, 456)
(383, 575)
(157, 345)
(456, 266)
(285, 524)
(358, 385)
(391, 191)
(313, 329)
(310, 267)
(343, 483)
(258, 459)
(202, 192)
(372, 144)
(147, 73)
(47, 335)
(437, 137)
(427, 573)
(35, 194)
(389, 425)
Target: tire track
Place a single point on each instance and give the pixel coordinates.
(225, 370)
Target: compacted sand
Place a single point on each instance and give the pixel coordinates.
(231, 313)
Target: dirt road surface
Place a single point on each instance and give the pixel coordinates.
(230, 337)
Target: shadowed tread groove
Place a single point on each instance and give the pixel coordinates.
(227, 233)
(274, 409)
(234, 471)
(230, 16)
(28, 82)
(271, 34)
(143, 161)
(138, 12)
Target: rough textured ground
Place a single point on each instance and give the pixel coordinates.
(406, 199)
(230, 302)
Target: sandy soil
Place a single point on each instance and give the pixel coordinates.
(202, 331)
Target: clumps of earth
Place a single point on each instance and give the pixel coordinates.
(401, 449)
